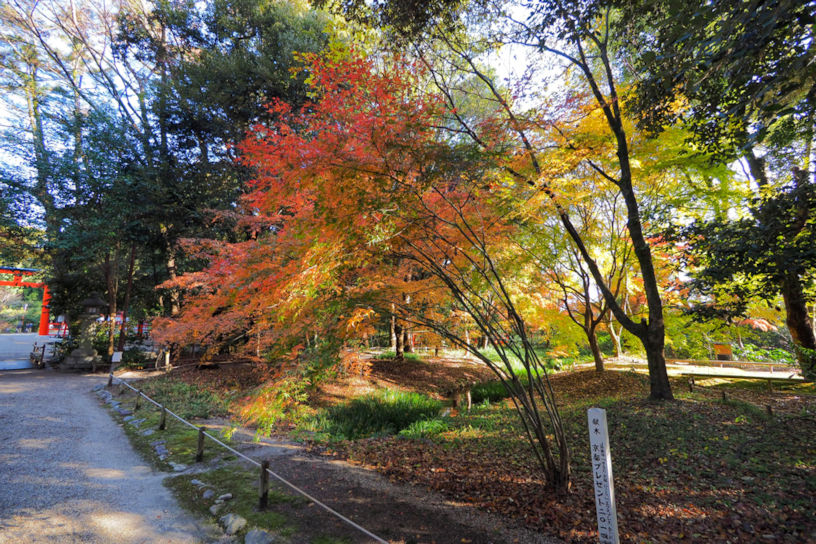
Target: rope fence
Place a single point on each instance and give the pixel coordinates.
(264, 466)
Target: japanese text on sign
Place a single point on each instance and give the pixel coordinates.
(601, 459)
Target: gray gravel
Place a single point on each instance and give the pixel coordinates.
(69, 475)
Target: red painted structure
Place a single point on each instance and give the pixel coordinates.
(17, 281)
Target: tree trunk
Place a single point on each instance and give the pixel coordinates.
(596, 350)
(393, 330)
(407, 341)
(653, 341)
(112, 281)
(126, 308)
(399, 347)
(799, 324)
(172, 293)
(616, 338)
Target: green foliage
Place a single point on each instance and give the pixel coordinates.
(494, 390)
(137, 358)
(491, 391)
(387, 412)
(739, 65)
(425, 428)
(188, 401)
(751, 352)
(750, 258)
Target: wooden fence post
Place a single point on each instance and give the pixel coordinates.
(200, 452)
(263, 490)
(163, 420)
(138, 400)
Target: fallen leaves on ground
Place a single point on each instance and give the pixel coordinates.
(693, 470)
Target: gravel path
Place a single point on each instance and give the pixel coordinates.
(69, 474)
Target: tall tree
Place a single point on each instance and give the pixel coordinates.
(745, 72)
(358, 200)
(579, 35)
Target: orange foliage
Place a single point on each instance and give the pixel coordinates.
(340, 198)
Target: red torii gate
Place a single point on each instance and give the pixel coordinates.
(17, 281)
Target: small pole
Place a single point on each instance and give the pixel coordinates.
(770, 385)
(769, 410)
(263, 490)
(163, 420)
(110, 379)
(138, 400)
(691, 384)
(200, 452)
(724, 397)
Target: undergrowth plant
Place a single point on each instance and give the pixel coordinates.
(387, 412)
(188, 401)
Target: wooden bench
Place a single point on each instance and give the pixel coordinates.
(37, 356)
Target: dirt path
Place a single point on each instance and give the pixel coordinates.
(399, 513)
(69, 474)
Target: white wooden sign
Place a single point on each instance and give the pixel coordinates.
(116, 357)
(601, 458)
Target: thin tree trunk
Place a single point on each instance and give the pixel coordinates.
(172, 293)
(126, 308)
(407, 343)
(112, 281)
(393, 330)
(616, 337)
(596, 350)
(399, 353)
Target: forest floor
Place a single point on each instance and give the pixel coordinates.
(704, 468)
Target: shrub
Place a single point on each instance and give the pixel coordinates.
(387, 412)
(272, 403)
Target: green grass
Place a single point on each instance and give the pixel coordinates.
(425, 428)
(407, 356)
(243, 485)
(491, 391)
(180, 440)
(228, 477)
(543, 356)
(494, 390)
(386, 412)
(188, 401)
